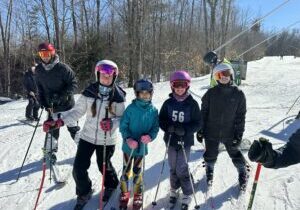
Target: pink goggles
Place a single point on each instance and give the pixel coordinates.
(105, 69)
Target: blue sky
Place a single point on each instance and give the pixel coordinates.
(281, 18)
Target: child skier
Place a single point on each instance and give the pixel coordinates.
(223, 112)
(103, 102)
(139, 126)
(180, 118)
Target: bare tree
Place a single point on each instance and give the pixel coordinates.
(5, 34)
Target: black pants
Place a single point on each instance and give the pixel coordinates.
(32, 108)
(82, 163)
(212, 151)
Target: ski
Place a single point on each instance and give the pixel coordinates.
(209, 200)
(30, 123)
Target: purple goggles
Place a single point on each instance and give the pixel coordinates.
(106, 69)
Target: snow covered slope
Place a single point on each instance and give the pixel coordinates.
(271, 87)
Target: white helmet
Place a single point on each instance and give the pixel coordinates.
(223, 67)
(107, 66)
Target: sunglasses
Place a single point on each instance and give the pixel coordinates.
(45, 54)
(106, 69)
(220, 74)
(179, 83)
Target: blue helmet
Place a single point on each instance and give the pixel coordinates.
(143, 85)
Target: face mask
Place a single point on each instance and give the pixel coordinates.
(104, 90)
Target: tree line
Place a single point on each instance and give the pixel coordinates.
(146, 38)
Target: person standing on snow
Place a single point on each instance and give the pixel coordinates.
(223, 112)
(103, 104)
(33, 106)
(56, 84)
(261, 151)
(180, 118)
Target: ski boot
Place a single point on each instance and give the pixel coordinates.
(186, 200)
(82, 200)
(173, 198)
(124, 198)
(243, 180)
(209, 176)
(137, 201)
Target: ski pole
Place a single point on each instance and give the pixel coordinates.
(254, 186)
(143, 175)
(292, 105)
(29, 145)
(190, 176)
(44, 167)
(103, 163)
(154, 203)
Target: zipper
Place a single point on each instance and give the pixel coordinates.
(97, 127)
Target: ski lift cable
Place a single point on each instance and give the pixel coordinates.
(247, 29)
(267, 39)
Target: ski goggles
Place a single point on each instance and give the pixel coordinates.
(105, 69)
(143, 86)
(180, 83)
(218, 75)
(44, 54)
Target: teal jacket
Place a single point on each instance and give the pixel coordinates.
(140, 118)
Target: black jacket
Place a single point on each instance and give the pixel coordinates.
(289, 154)
(56, 86)
(29, 81)
(223, 112)
(185, 113)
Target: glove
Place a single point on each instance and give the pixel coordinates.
(106, 124)
(32, 94)
(171, 129)
(59, 123)
(199, 136)
(48, 124)
(146, 139)
(132, 143)
(262, 151)
(179, 130)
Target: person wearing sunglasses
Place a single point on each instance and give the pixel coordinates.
(139, 127)
(180, 118)
(103, 103)
(223, 112)
(56, 84)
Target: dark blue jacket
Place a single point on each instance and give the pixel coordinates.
(184, 113)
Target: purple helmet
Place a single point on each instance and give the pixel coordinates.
(180, 75)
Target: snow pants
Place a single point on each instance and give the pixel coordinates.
(136, 169)
(82, 163)
(212, 151)
(179, 173)
(32, 108)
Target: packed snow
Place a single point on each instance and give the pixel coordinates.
(271, 87)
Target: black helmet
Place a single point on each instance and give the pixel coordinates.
(210, 58)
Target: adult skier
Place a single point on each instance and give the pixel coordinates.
(223, 112)
(263, 152)
(33, 106)
(56, 84)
